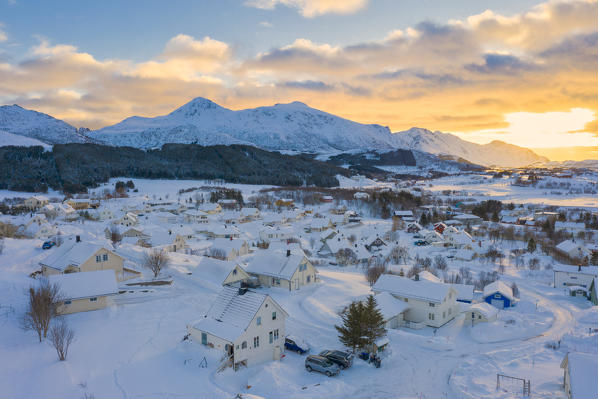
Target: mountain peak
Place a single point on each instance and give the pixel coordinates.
(196, 106)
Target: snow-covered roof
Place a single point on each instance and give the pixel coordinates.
(590, 270)
(85, 284)
(403, 213)
(582, 371)
(498, 286)
(464, 292)
(426, 275)
(67, 254)
(231, 313)
(228, 244)
(390, 306)
(569, 246)
(466, 216)
(485, 309)
(275, 263)
(569, 226)
(405, 287)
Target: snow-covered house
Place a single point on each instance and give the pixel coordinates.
(568, 275)
(332, 246)
(468, 219)
(480, 312)
(128, 219)
(275, 268)
(413, 228)
(430, 303)
(166, 239)
(361, 195)
(106, 214)
(73, 257)
(36, 202)
(82, 292)
(570, 227)
(573, 249)
(405, 216)
(195, 216)
(42, 231)
(220, 231)
(319, 224)
(210, 208)
(499, 295)
(249, 327)
(79, 203)
(249, 214)
(580, 375)
(392, 310)
(166, 217)
(457, 238)
(232, 248)
(281, 233)
(38, 218)
(433, 237)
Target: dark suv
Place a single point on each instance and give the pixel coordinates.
(343, 359)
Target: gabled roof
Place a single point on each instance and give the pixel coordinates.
(232, 312)
(582, 371)
(485, 309)
(275, 263)
(85, 284)
(498, 286)
(67, 254)
(390, 306)
(405, 287)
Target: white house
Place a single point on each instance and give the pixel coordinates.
(195, 216)
(580, 375)
(82, 292)
(430, 303)
(129, 219)
(567, 275)
(166, 217)
(249, 327)
(232, 248)
(573, 249)
(570, 227)
(275, 268)
(42, 231)
(392, 309)
(480, 312)
(457, 238)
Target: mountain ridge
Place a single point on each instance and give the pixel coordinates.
(289, 127)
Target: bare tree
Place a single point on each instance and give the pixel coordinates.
(156, 260)
(42, 307)
(373, 273)
(346, 256)
(61, 337)
(115, 235)
(440, 262)
(399, 254)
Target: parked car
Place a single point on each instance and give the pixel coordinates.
(418, 236)
(48, 244)
(295, 344)
(321, 365)
(343, 359)
(420, 243)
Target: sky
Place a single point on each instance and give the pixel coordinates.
(520, 71)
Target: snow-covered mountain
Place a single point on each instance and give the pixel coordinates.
(496, 153)
(23, 122)
(7, 139)
(288, 127)
(293, 127)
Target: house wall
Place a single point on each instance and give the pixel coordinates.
(83, 305)
(213, 341)
(419, 311)
(114, 262)
(476, 316)
(265, 351)
(300, 277)
(567, 382)
(563, 279)
(48, 271)
(233, 278)
(394, 322)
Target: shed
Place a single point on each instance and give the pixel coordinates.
(480, 312)
(499, 295)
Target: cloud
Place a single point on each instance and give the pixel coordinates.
(308, 85)
(312, 8)
(3, 35)
(265, 24)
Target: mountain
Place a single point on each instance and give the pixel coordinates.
(282, 127)
(293, 127)
(7, 139)
(496, 153)
(36, 125)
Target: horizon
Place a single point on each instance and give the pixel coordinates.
(473, 69)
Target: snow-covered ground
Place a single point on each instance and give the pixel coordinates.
(134, 347)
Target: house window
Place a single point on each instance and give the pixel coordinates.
(443, 315)
(105, 257)
(432, 305)
(273, 315)
(308, 279)
(259, 321)
(271, 336)
(234, 272)
(98, 258)
(479, 317)
(67, 302)
(497, 295)
(244, 345)
(93, 299)
(275, 334)
(431, 316)
(256, 342)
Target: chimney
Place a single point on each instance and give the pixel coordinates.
(289, 253)
(242, 291)
(77, 238)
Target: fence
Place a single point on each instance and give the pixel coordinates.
(510, 383)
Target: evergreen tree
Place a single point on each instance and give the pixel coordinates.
(373, 322)
(351, 331)
(531, 245)
(423, 220)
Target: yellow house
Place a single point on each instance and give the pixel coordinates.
(82, 292)
(36, 202)
(79, 204)
(73, 257)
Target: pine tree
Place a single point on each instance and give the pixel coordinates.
(423, 220)
(531, 245)
(351, 331)
(373, 322)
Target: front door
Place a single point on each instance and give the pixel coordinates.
(498, 303)
(204, 338)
